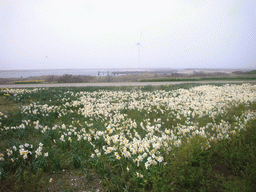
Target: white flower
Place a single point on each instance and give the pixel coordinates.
(25, 156)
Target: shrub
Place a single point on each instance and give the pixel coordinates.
(69, 79)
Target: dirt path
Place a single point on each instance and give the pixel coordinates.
(114, 84)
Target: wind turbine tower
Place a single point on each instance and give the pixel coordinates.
(139, 45)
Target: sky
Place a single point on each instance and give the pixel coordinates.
(95, 34)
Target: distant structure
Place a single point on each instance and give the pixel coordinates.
(158, 72)
(103, 72)
(139, 45)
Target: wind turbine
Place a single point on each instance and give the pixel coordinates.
(139, 45)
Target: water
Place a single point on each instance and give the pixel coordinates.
(36, 73)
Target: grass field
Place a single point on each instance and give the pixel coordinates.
(199, 79)
(139, 77)
(184, 137)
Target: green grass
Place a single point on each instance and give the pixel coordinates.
(228, 165)
(199, 79)
(7, 105)
(251, 72)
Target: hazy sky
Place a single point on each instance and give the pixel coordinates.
(54, 34)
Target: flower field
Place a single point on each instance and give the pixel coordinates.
(28, 82)
(133, 139)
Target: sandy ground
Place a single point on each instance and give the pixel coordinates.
(114, 84)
